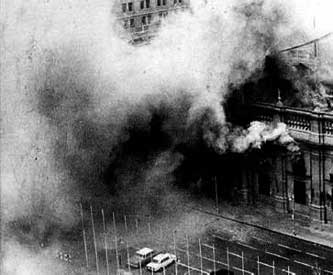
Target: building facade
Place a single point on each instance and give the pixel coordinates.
(301, 183)
(141, 18)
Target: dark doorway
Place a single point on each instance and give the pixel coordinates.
(300, 191)
(264, 184)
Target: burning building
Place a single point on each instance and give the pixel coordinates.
(294, 182)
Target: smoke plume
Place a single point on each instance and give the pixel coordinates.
(259, 133)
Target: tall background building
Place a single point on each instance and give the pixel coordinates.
(141, 18)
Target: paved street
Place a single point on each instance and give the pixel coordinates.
(270, 254)
(217, 246)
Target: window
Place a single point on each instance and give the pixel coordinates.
(158, 2)
(147, 4)
(142, 5)
(149, 18)
(130, 6)
(125, 23)
(299, 192)
(144, 20)
(123, 7)
(264, 184)
(132, 22)
(164, 2)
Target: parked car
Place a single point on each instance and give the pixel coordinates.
(142, 257)
(161, 261)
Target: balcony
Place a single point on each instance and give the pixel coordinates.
(305, 126)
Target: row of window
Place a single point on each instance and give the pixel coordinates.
(145, 20)
(145, 4)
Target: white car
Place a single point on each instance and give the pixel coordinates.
(141, 257)
(161, 261)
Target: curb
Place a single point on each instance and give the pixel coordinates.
(263, 228)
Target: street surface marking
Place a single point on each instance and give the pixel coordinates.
(277, 255)
(207, 245)
(219, 237)
(315, 255)
(262, 240)
(303, 264)
(291, 248)
(247, 245)
(288, 272)
(193, 268)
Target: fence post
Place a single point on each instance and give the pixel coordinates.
(216, 196)
(137, 226)
(228, 263)
(149, 229)
(258, 262)
(115, 239)
(84, 235)
(214, 258)
(200, 251)
(243, 263)
(94, 237)
(128, 262)
(175, 250)
(273, 268)
(106, 244)
(188, 255)
(125, 220)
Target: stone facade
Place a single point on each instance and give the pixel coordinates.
(301, 182)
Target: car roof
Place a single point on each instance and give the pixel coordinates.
(144, 251)
(161, 256)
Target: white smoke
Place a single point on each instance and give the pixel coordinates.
(259, 133)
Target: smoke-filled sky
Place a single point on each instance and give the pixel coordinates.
(72, 91)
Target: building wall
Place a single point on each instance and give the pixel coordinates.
(141, 18)
(300, 182)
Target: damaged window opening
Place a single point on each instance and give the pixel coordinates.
(132, 25)
(300, 192)
(142, 5)
(147, 4)
(130, 6)
(158, 2)
(144, 20)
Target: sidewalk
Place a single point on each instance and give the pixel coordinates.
(266, 217)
